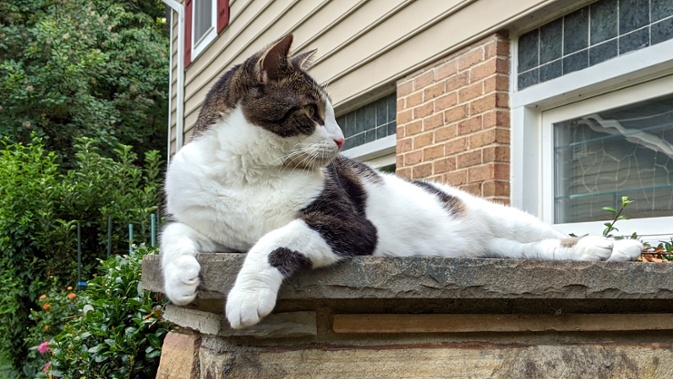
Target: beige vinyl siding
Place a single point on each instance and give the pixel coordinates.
(363, 45)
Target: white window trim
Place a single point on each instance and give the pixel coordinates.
(529, 176)
(378, 153)
(209, 36)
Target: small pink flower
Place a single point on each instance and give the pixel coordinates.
(43, 348)
(46, 368)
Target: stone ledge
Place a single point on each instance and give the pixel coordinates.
(443, 278)
(446, 285)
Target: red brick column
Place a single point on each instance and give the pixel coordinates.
(453, 120)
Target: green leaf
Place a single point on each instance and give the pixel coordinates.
(610, 209)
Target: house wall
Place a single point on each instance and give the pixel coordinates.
(364, 47)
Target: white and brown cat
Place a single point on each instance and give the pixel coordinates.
(263, 175)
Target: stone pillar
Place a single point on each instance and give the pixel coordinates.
(453, 120)
(180, 357)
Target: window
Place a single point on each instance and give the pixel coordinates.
(585, 135)
(370, 132)
(204, 20)
(601, 156)
(591, 35)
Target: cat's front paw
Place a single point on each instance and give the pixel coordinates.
(181, 278)
(626, 250)
(248, 304)
(593, 248)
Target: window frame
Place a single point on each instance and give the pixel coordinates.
(530, 140)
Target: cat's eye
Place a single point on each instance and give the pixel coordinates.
(310, 110)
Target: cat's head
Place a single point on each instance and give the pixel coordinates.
(274, 93)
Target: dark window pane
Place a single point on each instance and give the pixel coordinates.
(603, 52)
(381, 132)
(603, 21)
(370, 136)
(360, 120)
(576, 62)
(633, 41)
(551, 41)
(391, 128)
(369, 116)
(392, 107)
(633, 14)
(381, 111)
(528, 50)
(576, 31)
(527, 79)
(551, 71)
(662, 31)
(359, 139)
(661, 9)
(350, 124)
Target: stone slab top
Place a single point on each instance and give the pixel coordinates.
(446, 284)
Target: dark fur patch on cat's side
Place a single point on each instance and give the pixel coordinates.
(452, 204)
(276, 101)
(570, 241)
(288, 262)
(338, 213)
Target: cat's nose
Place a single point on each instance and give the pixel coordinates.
(340, 142)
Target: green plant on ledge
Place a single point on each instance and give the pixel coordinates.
(610, 226)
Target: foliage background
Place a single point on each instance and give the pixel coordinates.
(83, 108)
(80, 68)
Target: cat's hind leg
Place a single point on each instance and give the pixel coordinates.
(179, 246)
(590, 248)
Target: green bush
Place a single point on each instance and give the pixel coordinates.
(40, 206)
(110, 329)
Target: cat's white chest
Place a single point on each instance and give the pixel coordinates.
(246, 214)
(229, 209)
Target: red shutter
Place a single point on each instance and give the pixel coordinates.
(222, 15)
(188, 33)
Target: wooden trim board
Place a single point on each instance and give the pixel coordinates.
(469, 323)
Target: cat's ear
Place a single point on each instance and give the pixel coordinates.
(274, 60)
(303, 61)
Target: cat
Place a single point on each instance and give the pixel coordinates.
(263, 174)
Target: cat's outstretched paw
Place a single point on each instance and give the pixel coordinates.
(592, 248)
(181, 278)
(248, 304)
(626, 250)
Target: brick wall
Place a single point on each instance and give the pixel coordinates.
(453, 120)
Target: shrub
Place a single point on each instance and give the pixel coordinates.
(105, 78)
(110, 329)
(40, 206)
